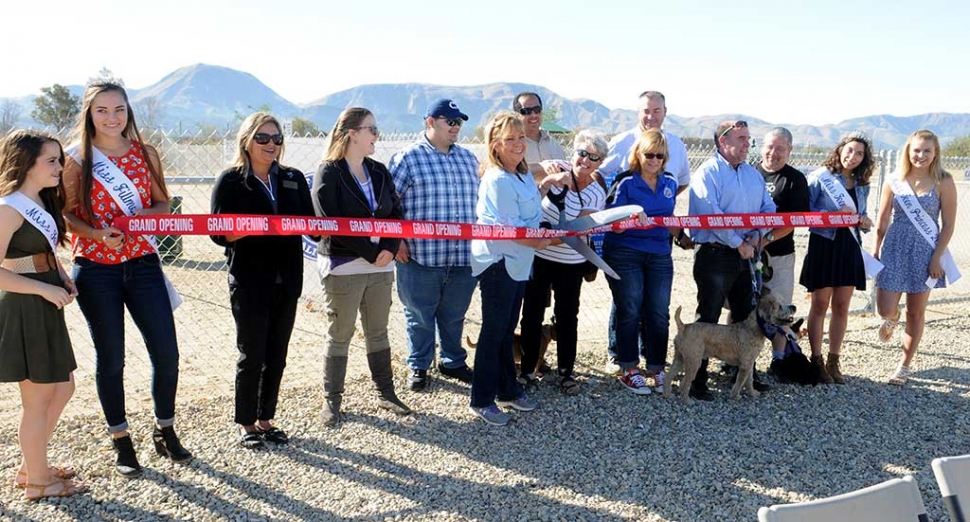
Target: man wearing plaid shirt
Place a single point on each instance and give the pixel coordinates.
(437, 180)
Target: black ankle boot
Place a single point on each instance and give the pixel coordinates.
(167, 445)
(127, 464)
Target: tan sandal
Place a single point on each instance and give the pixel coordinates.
(69, 488)
(902, 375)
(887, 328)
(61, 472)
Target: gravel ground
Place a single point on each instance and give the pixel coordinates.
(602, 455)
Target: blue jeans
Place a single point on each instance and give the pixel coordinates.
(641, 296)
(103, 293)
(494, 363)
(434, 296)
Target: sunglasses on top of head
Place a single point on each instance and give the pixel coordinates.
(525, 111)
(262, 138)
(740, 124)
(592, 157)
(452, 122)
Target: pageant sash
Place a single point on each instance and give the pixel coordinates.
(123, 192)
(34, 214)
(925, 225)
(837, 193)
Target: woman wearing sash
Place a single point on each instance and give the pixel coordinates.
(265, 272)
(834, 267)
(357, 272)
(911, 256)
(108, 173)
(34, 289)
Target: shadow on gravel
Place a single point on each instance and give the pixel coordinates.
(438, 493)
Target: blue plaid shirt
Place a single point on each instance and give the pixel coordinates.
(434, 186)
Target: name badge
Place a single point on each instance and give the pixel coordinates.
(290, 184)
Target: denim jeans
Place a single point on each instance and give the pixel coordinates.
(720, 274)
(264, 322)
(641, 296)
(103, 293)
(434, 296)
(494, 363)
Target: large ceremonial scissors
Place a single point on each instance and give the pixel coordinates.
(590, 221)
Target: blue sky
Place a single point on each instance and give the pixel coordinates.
(783, 61)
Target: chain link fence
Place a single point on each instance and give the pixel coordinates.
(204, 322)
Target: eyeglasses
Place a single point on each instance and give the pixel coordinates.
(653, 155)
(592, 157)
(372, 128)
(262, 138)
(452, 122)
(525, 111)
(740, 124)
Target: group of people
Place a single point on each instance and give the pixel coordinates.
(523, 180)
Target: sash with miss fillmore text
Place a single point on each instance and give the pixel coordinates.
(837, 193)
(34, 214)
(125, 194)
(925, 225)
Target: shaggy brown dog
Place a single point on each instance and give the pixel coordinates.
(738, 344)
(548, 334)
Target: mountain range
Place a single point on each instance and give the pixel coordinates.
(208, 96)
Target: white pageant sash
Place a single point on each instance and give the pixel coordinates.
(123, 191)
(34, 214)
(925, 225)
(837, 193)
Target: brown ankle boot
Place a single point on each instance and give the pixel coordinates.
(832, 367)
(823, 376)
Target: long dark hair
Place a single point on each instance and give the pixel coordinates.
(863, 172)
(18, 154)
(84, 131)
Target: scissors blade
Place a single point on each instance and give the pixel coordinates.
(579, 245)
(603, 217)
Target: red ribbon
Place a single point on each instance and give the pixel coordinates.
(260, 225)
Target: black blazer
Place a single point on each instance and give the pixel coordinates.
(337, 194)
(257, 260)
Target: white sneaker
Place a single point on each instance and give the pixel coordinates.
(612, 368)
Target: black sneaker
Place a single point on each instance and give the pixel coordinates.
(462, 373)
(418, 380)
(701, 393)
(758, 385)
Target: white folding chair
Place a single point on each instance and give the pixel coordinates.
(896, 500)
(953, 476)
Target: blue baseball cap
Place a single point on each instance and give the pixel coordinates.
(447, 109)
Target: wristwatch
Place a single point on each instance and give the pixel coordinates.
(770, 237)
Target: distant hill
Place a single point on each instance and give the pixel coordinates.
(218, 96)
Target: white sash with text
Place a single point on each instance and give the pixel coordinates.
(123, 191)
(837, 193)
(34, 214)
(926, 227)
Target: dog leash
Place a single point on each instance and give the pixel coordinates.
(756, 269)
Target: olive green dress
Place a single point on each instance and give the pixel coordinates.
(34, 343)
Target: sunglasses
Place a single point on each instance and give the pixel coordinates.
(262, 138)
(592, 157)
(372, 128)
(740, 124)
(452, 122)
(525, 111)
(653, 155)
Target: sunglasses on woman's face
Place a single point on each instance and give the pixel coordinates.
(592, 157)
(654, 155)
(262, 138)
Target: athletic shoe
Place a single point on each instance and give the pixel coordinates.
(634, 381)
(491, 415)
(612, 368)
(522, 403)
